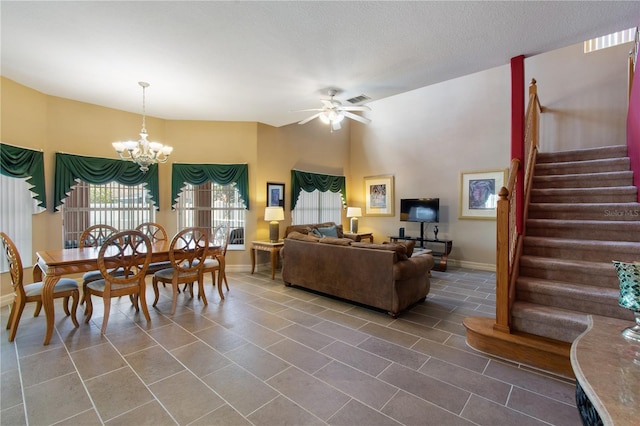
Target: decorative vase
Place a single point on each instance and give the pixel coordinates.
(435, 232)
(629, 278)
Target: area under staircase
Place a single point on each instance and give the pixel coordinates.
(583, 213)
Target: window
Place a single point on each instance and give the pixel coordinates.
(210, 205)
(610, 40)
(16, 208)
(121, 206)
(317, 207)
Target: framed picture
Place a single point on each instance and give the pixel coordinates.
(378, 195)
(275, 194)
(479, 194)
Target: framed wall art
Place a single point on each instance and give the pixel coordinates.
(378, 195)
(479, 194)
(275, 194)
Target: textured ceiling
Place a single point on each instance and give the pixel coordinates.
(258, 61)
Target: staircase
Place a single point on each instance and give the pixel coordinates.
(583, 214)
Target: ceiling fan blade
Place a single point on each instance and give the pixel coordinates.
(305, 110)
(355, 108)
(356, 117)
(335, 125)
(330, 103)
(306, 120)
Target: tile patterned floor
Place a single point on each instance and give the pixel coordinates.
(273, 355)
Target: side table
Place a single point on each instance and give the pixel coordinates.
(359, 236)
(273, 248)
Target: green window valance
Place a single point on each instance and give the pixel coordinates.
(312, 181)
(25, 163)
(197, 174)
(99, 171)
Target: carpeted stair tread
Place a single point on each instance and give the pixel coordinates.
(586, 166)
(585, 195)
(614, 151)
(582, 180)
(601, 230)
(581, 249)
(548, 321)
(581, 298)
(569, 270)
(616, 211)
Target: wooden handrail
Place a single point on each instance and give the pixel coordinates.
(508, 239)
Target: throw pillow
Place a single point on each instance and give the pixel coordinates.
(629, 277)
(330, 231)
(295, 235)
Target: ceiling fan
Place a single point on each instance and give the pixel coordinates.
(333, 112)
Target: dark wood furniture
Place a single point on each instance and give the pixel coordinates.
(440, 249)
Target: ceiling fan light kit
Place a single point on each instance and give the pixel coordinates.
(332, 112)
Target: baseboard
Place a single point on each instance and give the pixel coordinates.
(472, 265)
(7, 299)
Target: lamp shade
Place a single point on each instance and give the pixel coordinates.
(273, 213)
(354, 212)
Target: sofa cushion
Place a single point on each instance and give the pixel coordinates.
(336, 241)
(399, 249)
(295, 235)
(409, 244)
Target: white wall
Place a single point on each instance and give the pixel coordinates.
(427, 137)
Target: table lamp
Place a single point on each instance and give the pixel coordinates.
(273, 215)
(354, 213)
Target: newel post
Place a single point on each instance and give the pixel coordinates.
(502, 262)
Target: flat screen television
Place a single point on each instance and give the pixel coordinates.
(420, 210)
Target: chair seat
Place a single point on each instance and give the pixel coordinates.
(99, 285)
(166, 275)
(211, 263)
(96, 275)
(65, 284)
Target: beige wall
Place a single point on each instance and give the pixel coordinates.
(584, 95)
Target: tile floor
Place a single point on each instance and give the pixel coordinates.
(274, 355)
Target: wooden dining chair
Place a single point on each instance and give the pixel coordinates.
(187, 252)
(94, 236)
(128, 252)
(216, 263)
(65, 288)
(155, 232)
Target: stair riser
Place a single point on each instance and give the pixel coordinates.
(617, 151)
(586, 213)
(585, 233)
(579, 167)
(581, 182)
(586, 277)
(607, 307)
(603, 197)
(540, 328)
(571, 253)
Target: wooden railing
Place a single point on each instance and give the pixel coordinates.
(509, 240)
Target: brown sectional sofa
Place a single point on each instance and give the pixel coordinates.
(377, 275)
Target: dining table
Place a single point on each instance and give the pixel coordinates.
(51, 265)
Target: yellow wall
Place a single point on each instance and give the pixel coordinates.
(34, 120)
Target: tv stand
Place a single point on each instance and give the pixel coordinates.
(440, 248)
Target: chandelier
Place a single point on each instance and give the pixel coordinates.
(143, 152)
